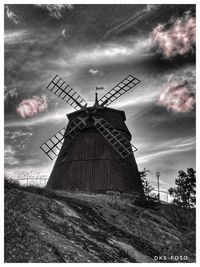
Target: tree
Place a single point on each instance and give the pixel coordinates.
(148, 189)
(184, 193)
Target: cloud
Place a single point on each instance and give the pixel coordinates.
(113, 51)
(58, 116)
(56, 11)
(131, 22)
(15, 37)
(17, 138)
(9, 155)
(31, 107)
(63, 33)
(12, 16)
(167, 149)
(23, 146)
(178, 39)
(9, 93)
(150, 97)
(96, 72)
(176, 97)
(149, 7)
(13, 135)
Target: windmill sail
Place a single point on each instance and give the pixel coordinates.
(114, 137)
(75, 127)
(59, 87)
(120, 89)
(52, 146)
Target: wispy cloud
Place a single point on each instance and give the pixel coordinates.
(17, 138)
(95, 72)
(63, 33)
(58, 116)
(167, 149)
(9, 93)
(9, 156)
(149, 97)
(113, 51)
(19, 146)
(17, 36)
(56, 11)
(18, 134)
(11, 15)
(131, 21)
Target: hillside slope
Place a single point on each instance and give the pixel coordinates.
(42, 226)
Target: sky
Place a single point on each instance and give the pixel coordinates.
(99, 45)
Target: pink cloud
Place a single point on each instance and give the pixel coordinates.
(176, 40)
(176, 97)
(32, 106)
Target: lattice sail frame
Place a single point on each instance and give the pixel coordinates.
(75, 127)
(114, 137)
(120, 89)
(61, 89)
(52, 146)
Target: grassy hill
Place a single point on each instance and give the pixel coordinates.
(44, 226)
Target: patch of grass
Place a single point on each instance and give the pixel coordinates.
(10, 183)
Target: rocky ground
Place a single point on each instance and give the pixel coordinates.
(43, 226)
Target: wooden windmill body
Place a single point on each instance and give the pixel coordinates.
(94, 153)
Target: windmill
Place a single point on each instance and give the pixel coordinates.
(93, 151)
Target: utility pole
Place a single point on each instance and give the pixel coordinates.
(158, 176)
